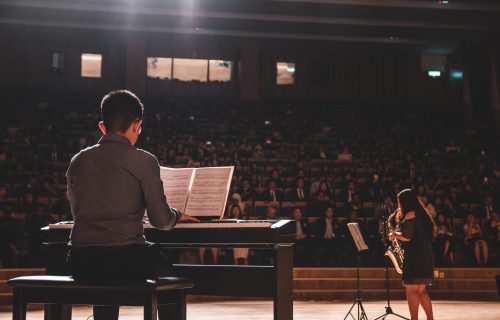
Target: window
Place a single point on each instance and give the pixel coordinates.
(285, 73)
(56, 62)
(190, 69)
(159, 68)
(91, 65)
(220, 70)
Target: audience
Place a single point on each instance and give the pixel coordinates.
(333, 159)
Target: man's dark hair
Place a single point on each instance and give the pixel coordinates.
(119, 109)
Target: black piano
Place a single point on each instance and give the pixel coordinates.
(264, 281)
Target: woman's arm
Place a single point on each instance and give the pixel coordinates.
(407, 229)
(398, 236)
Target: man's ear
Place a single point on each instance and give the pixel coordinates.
(102, 127)
(137, 126)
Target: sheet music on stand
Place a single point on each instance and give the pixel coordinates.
(357, 236)
(199, 192)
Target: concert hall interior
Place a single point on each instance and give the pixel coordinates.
(307, 159)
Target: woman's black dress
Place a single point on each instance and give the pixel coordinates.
(418, 264)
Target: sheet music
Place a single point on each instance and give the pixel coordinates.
(357, 236)
(209, 190)
(176, 183)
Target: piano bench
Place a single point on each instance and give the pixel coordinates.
(64, 290)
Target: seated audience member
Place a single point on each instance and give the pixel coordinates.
(452, 147)
(345, 155)
(271, 193)
(327, 235)
(374, 190)
(493, 235)
(384, 209)
(488, 209)
(449, 209)
(475, 239)
(240, 255)
(319, 204)
(247, 192)
(315, 186)
(299, 193)
(325, 188)
(34, 223)
(355, 205)
(469, 196)
(5, 200)
(236, 200)
(275, 176)
(271, 213)
(7, 241)
(412, 174)
(301, 246)
(443, 237)
(61, 210)
(27, 205)
(349, 193)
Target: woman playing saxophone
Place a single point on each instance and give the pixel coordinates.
(415, 236)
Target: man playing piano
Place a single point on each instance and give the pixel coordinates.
(110, 185)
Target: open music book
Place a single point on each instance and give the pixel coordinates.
(199, 192)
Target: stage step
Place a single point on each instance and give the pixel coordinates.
(342, 295)
(374, 283)
(340, 284)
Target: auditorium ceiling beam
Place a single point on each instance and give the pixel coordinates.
(174, 12)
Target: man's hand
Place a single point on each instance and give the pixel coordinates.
(185, 218)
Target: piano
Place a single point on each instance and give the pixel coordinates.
(263, 281)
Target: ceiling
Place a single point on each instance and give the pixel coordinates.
(423, 23)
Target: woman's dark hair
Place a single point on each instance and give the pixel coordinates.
(408, 201)
(445, 223)
(119, 109)
(231, 210)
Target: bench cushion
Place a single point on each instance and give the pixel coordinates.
(67, 282)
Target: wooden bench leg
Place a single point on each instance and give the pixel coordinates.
(18, 305)
(172, 305)
(182, 305)
(57, 312)
(151, 309)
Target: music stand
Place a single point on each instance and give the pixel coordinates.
(357, 237)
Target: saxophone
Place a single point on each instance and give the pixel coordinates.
(394, 251)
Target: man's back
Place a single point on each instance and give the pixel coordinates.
(109, 186)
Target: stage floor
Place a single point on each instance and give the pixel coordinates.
(256, 310)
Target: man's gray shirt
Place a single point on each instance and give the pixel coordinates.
(109, 186)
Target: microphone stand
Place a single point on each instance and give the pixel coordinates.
(388, 309)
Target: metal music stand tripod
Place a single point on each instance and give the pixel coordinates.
(361, 246)
(388, 309)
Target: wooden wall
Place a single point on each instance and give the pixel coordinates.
(356, 75)
(360, 74)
